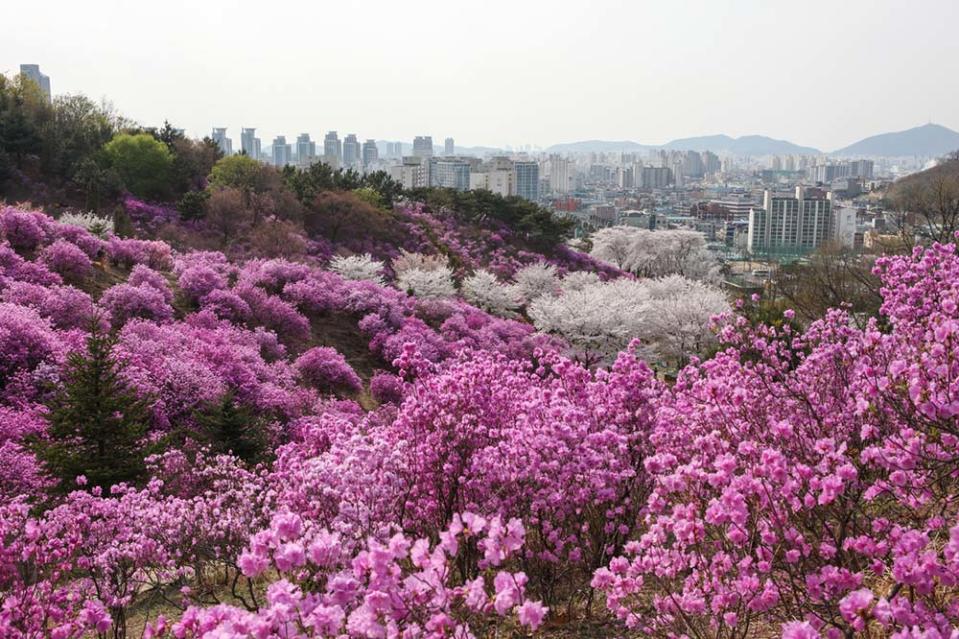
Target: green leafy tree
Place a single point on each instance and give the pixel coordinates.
(23, 110)
(238, 172)
(96, 423)
(142, 162)
(229, 427)
(77, 130)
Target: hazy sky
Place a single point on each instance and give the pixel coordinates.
(497, 72)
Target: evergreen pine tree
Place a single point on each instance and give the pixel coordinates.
(230, 427)
(96, 423)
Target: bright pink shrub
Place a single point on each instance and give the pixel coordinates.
(130, 252)
(24, 230)
(143, 275)
(326, 370)
(387, 388)
(124, 302)
(67, 259)
(26, 341)
(226, 305)
(199, 281)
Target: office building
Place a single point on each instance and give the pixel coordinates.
(225, 143)
(249, 143)
(449, 148)
(370, 153)
(32, 71)
(423, 146)
(791, 224)
(526, 180)
(332, 149)
(449, 173)
(305, 150)
(351, 151)
(282, 152)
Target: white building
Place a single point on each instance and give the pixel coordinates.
(249, 143)
(559, 175)
(412, 173)
(225, 143)
(282, 152)
(791, 225)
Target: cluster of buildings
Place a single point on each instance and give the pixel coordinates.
(500, 174)
(346, 153)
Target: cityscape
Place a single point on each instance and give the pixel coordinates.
(502, 320)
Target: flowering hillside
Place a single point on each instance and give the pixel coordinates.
(429, 439)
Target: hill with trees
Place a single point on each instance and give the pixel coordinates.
(244, 402)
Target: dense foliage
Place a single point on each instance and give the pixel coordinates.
(319, 452)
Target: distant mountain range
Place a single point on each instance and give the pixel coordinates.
(927, 140)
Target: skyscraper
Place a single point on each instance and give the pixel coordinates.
(305, 150)
(449, 148)
(423, 146)
(32, 71)
(526, 180)
(281, 151)
(351, 151)
(332, 149)
(225, 143)
(249, 143)
(370, 153)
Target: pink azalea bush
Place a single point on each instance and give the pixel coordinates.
(67, 259)
(327, 370)
(796, 483)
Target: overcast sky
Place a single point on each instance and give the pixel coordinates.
(491, 72)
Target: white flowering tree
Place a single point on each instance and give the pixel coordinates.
(536, 280)
(419, 261)
(671, 316)
(358, 267)
(656, 253)
(483, 290)
(432, 284)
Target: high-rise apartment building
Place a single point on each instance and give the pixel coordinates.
(559, 175)
(282, 152)
(423, 146)
(693, 165)
(225, 143)
(32, 71)
(711, 163)
(305, 150)
(791, 225)
(449, 148)
(370, 153)
(352, 153)
(526, 180)
(332, 149)
(394, 149)
(652, 177)
(412, 173)
(249, 143)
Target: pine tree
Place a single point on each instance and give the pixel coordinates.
(230, 427)
(97, 422)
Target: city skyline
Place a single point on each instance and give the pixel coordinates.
(612, 71)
